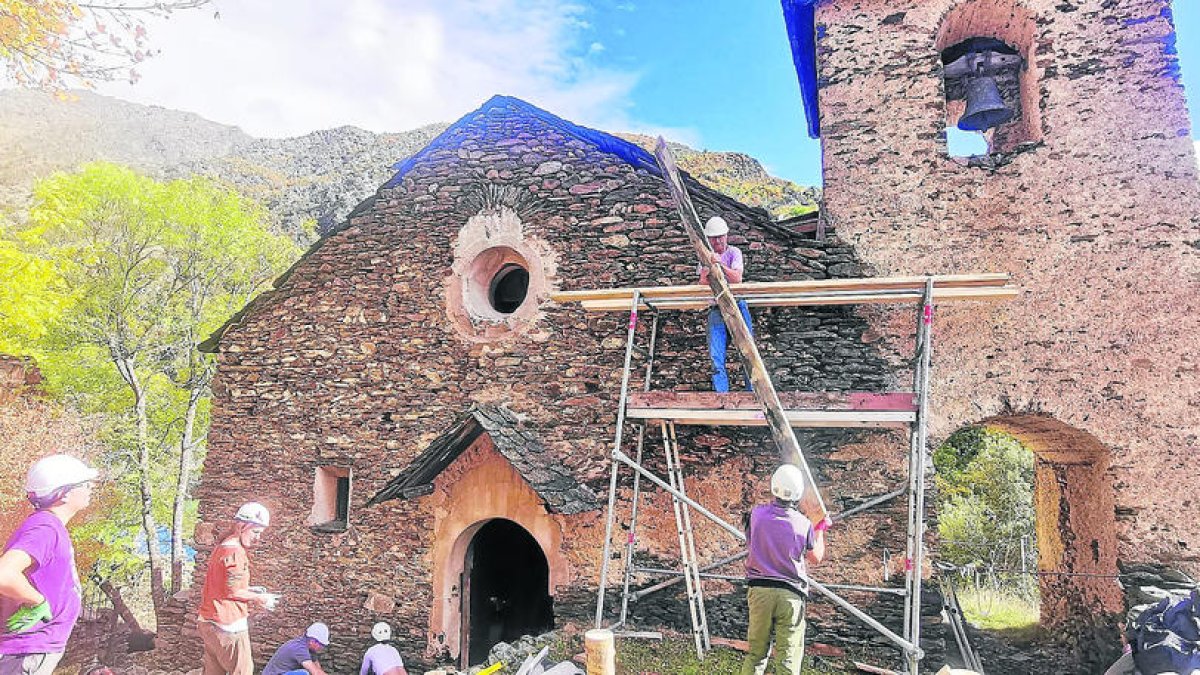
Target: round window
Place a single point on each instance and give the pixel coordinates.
(509, 288)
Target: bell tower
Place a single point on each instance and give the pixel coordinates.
(1084, 188)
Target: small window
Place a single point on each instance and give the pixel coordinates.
(508, 288)
(331, 499)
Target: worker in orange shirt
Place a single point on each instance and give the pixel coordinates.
(227, 596)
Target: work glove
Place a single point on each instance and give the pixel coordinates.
(825, 524)
(26, 618)
(272, 602)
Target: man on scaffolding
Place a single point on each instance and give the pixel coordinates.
(731, 262)
(781, 541)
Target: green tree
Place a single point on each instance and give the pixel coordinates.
(985, 498)
(32, 294)
(151, 267)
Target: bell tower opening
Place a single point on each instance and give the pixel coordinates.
(506, 589)
(990, 85)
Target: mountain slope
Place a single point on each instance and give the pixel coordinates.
(315, 179)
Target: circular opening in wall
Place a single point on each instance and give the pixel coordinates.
(498, 286)
(509, 288)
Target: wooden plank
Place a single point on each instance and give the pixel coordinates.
(811, 503)
(711, 400)
(812, 419)
(813, 300)
(750, 288)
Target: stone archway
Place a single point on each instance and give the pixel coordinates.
(1076, 522)
(506, 589)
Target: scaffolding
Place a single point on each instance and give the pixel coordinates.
(904, 410)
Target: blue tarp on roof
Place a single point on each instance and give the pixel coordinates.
(800, 18)
(629, 152)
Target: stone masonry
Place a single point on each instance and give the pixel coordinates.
(1095, 368)
(370, 349)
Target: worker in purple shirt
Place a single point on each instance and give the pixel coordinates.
(731, 262)
(39, 585)
(781, 541)
(298, 656)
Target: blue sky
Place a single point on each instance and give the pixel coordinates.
(716, 74)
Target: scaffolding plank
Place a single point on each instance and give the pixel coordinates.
(899, 401)
(747, 289)
(814, 299)
(797, 418)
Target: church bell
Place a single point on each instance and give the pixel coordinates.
(985, 107)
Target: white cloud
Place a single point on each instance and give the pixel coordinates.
(281, 69)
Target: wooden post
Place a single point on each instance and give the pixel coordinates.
(764, 391)
(601, 652)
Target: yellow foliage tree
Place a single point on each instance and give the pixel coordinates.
(55, 44)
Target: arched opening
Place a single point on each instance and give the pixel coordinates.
(987, 528)
(990, 78)
(506, 589)
(1079, 599)
(509, 288)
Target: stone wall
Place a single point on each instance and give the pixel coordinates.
(358, 361)
(1096, 222)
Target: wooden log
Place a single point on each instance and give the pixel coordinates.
(811, 503)
(118, 603)
(601, 652)
(752, 288)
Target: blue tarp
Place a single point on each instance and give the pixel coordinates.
(800, 18)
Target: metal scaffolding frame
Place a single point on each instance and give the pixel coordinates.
(693, 573)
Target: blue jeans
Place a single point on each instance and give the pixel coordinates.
(718, 340)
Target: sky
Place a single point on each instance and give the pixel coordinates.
(716, 75)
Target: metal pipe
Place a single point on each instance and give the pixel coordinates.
(867, 505)
(856, 612)
(742, 579)
(612, 483)
(921, 451)
(637, 478)
(910, 649)
(624, 459)
(638, 595)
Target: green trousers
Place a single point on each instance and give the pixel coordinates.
(783, 612)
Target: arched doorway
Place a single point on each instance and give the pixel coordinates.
(506, 589)
(1057, 476)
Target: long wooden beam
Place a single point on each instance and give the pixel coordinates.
(751, 288)
(803, 409)
(833, 419)
(902, 401)
(812, 299)
(764, 391)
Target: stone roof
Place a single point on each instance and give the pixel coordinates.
(552, 481)
(628, 152)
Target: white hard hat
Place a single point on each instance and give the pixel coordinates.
(715, 227)
(254, 514)
(788, 483)
(57, 471)
(319, 632)
(381, 632)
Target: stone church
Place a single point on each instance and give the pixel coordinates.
(432, 432)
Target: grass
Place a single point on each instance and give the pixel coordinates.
(999, 610)
(676, 655)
